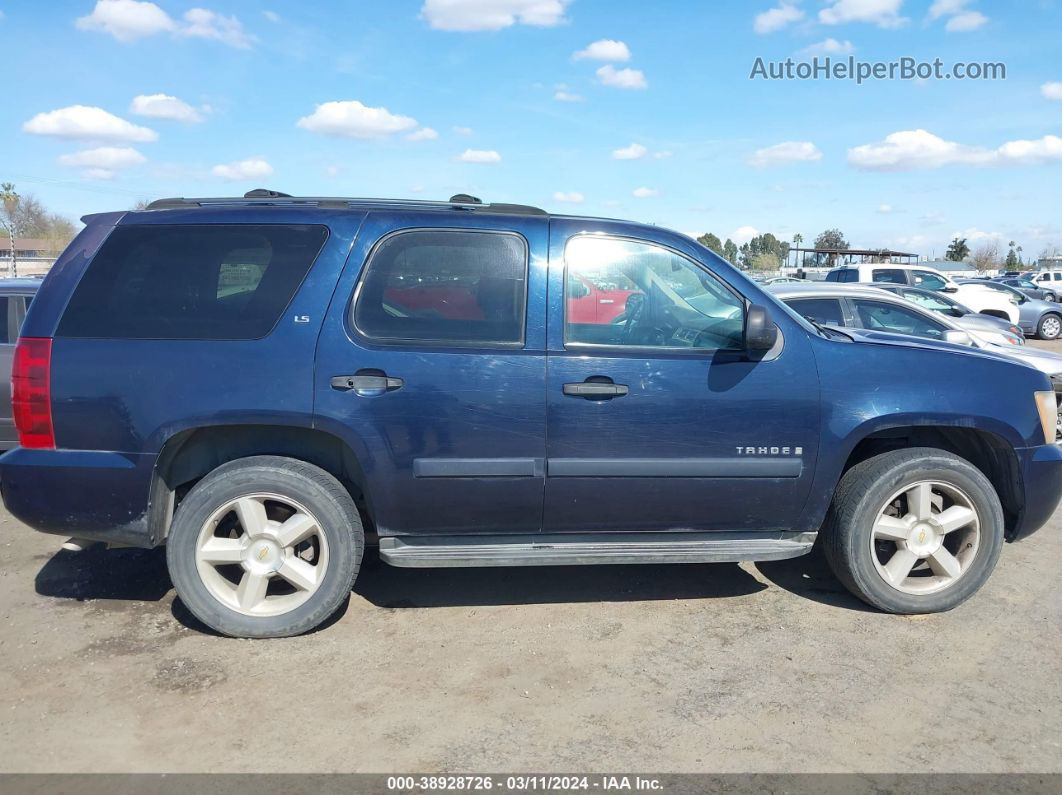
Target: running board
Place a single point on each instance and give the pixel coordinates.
(590, 548)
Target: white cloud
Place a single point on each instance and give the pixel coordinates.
(632, 152)
(423, 134)
(944, 8)
(462, 130)
(87, 123)
(604, 50)
(272, 16)
(912, 150)
(1051, 90)
(479, 156)
(163, 106)
(201, 23)
(475, 15)
(632, 79)
(563, 95)
(251, 168)
(786, 152)
(974, 234)
(333, 170)
(883, 13)
(127, 20)
(102, 163)
(884, 209)
(351, 119)
(661, 155)
(777, 18)
(644, 193)
(827, 47)
(572, 197)
(743, 234)
(963, 23)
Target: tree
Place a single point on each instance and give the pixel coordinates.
(775, 249)
(832, 238)
(730, 251)
(986, 256)
(10, 218)
(797, 240)
(711, 241)
(764, 262)
(958, 250)
(1012, 257)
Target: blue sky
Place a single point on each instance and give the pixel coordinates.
(658, 121)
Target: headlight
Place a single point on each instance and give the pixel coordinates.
(1047, 405)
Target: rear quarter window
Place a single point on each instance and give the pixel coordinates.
(207, 281)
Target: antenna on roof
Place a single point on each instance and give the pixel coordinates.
(265, 193)
(464, 198)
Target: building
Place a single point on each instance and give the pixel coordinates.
(1050, 263)
(33, 255)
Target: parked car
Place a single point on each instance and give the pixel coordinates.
(783, 280)
(876, 309)
(989, 329)
(972, 293)
(1043, 292)
(15, 297)
(231, 378)
(1052, 278)
(1041, 319)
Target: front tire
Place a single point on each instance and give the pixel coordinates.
(1049, 327)
(914, 531)
(265, 547)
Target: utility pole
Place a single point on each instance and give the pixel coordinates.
(10, 200)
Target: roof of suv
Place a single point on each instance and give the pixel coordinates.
(820, 289)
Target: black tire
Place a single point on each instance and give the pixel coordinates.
(321, 494)
(861, 494)
(1055, 327)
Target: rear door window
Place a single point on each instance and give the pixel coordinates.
(928, 280)
(206, 281)
(821, 310)
(889, 275)
(879, 316)
(445, 287)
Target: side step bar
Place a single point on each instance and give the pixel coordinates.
(590, 548)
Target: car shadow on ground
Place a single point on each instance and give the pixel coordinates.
(137, 575)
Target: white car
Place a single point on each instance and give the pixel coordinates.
(979, 298)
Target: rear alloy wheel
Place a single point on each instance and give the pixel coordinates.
(914, 531)
(1050, 327)
(265, 547)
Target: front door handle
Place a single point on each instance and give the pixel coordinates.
(366, 382)
(595, 390)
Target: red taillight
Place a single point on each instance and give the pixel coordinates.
(31, 392)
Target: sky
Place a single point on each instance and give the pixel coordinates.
(639, 110)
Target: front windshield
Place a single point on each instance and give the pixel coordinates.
(937, 303)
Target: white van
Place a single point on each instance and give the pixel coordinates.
(980, 299)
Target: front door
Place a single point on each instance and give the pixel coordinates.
(431, 365)
(658, 420)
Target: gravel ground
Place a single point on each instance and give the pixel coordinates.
(717, 668)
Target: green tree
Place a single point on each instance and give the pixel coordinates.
(730, 251)
(22, 215)
(711, 241)
(832, 238)
(958, 250)
(1012, 257)
(10, 218)
(766, 244)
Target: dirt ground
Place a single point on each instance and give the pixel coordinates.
(695, 668)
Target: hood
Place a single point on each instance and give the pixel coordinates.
(1044, 361)
(864, 336)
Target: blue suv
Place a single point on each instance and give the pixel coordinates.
(261, 383)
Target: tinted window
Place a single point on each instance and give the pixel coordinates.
(928, 281)
(5, 313)
(843, 275)
(879, 316)
(457, 287)
(216, 281)
(890, 275)
(821, 310)
(933, 303)
(664, 300)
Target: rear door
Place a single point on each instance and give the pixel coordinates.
(657, 422)
(431, 364)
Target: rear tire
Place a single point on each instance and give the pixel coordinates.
(265, 547)
(1049, 327)
(914, 531)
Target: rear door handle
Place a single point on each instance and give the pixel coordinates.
(366, 382)
(595, 390)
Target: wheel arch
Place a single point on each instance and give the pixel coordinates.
(189, 455)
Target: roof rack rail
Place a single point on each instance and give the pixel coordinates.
(261, 197)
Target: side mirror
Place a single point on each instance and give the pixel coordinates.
(760, 333)
(576, 289)
(956, 337)
(951, 288)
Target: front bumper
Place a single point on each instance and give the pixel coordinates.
(1041, 469)
(82, 493)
